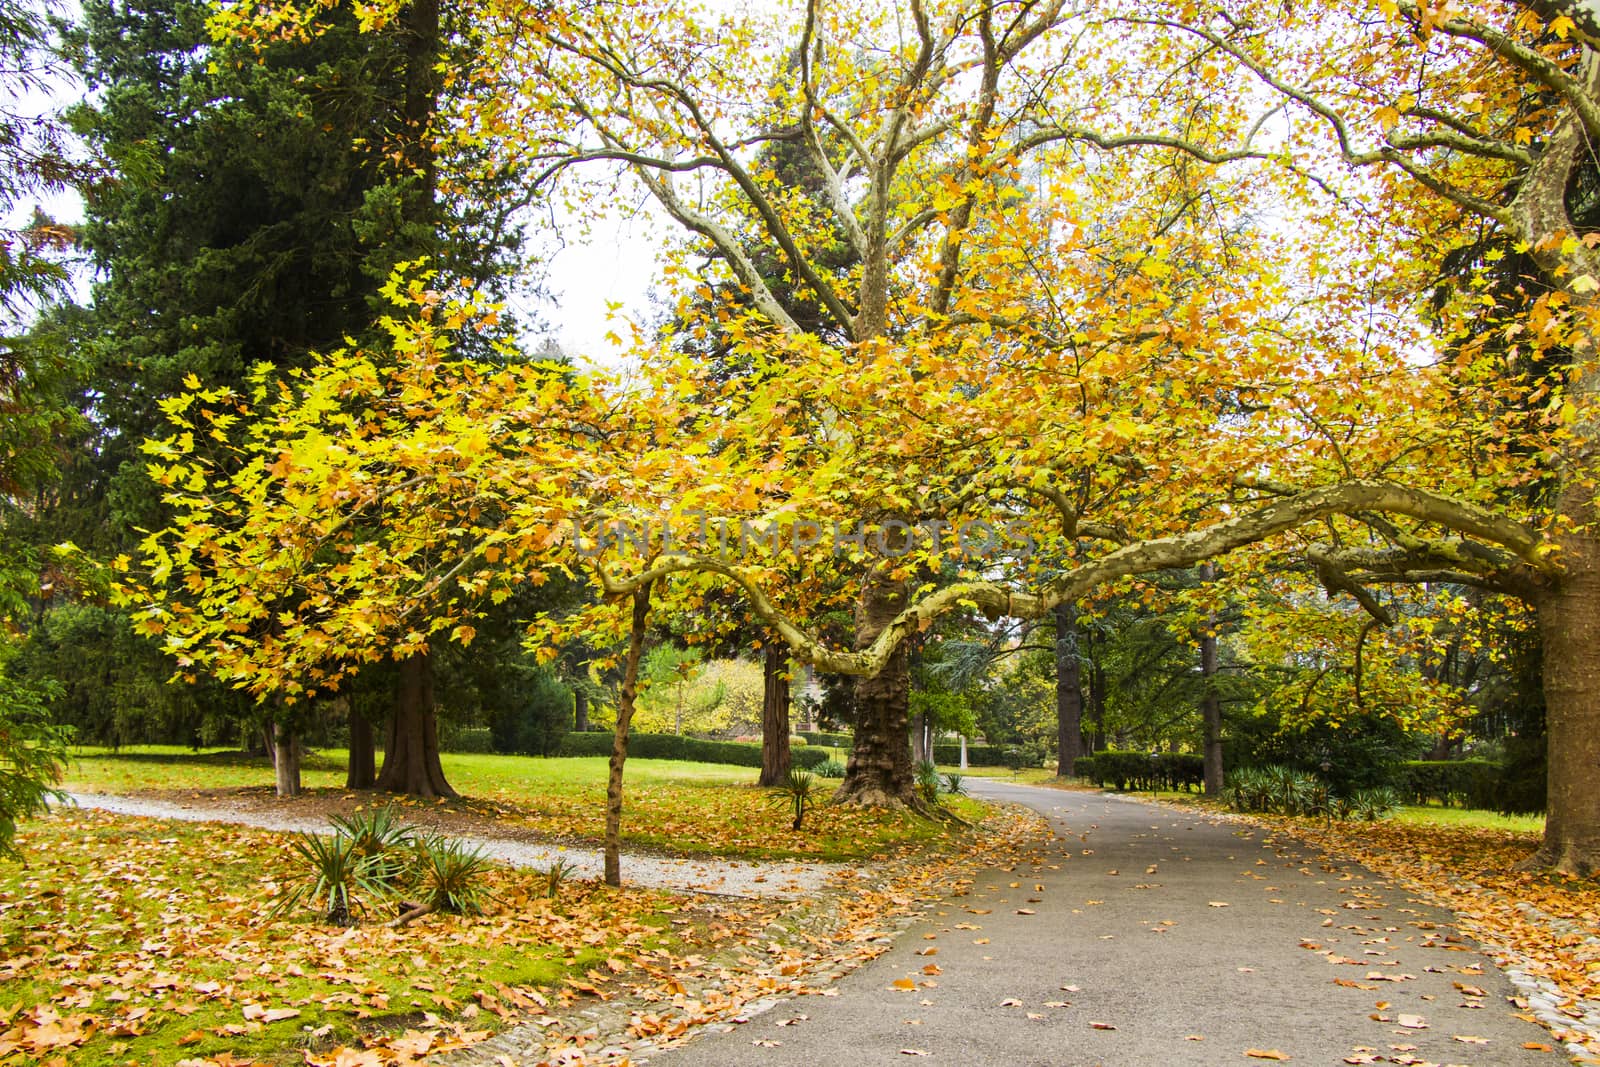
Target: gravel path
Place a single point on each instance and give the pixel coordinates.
(1148, 937)
(783, 880)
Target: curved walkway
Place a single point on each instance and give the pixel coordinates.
(778, 879)
(1143, 936)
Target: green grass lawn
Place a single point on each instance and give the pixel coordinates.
(671, 805)
(1467, 818)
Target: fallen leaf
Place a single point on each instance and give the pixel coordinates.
(1265, 1054)
(1102, 1026)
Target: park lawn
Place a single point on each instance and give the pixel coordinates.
(127, 939)
(670, 805)
(1467, 818)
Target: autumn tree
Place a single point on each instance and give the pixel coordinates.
(265, 189)
(1067, 317)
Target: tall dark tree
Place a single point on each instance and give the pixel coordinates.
(262, 197)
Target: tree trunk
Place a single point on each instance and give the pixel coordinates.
(361, 772)
(619, 739)
(411, 749)
(879, 771)
(580, 710)
(775, 757)
(1569, 624)
(286, 760)
(1069, 692)
(1097, 707)
(1210, 703)
(919, 739)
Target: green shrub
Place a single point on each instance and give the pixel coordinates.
(1372, 804)
(447, 874)
(478, 740)
(1142, 770)
(800, 792)
(674, 746)
(827, 740)
(829, 768)
(334, 878)
(927, 773)
(953, 784)
(379, 838)
(1467, 783)
(977, 755)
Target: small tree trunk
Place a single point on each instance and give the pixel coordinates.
(919, 739)
(1210, 703)
(879, 771)
(361, 771)
(411, 747)
(286, 760)
(775, 756)
(580, 710)
(1097, 707)
(619, 739)
(1069, 692)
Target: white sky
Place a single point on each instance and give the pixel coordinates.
(617, 263)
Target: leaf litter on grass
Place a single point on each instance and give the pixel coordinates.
(131, 938)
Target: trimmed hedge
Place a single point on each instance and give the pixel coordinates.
(672, 746)
(474, 739)
(977, 755)
(1136, 770)
(1472, 783)
(828, 740)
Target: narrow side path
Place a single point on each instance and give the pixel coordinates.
(1147, 937)
(780, 879)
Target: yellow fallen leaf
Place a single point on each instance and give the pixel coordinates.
(1266, 1054)
(904, 983)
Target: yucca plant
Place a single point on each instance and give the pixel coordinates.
(953, 784)
(378, 836)
(829, 768)
(1249, 789)
(335, 878)
(1374, 804)
(800, 792)
(556, 875)
(447, 875)
(928, 780)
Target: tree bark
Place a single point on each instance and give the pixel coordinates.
(580, 710)
(1210, 703)
(361, 772)
(411, 749)
(1069, 691)
(286, 760)
(1097, 706)
(879, 772)
(1569, 624)
(775, 756)
(619, 739)
(919, 739)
